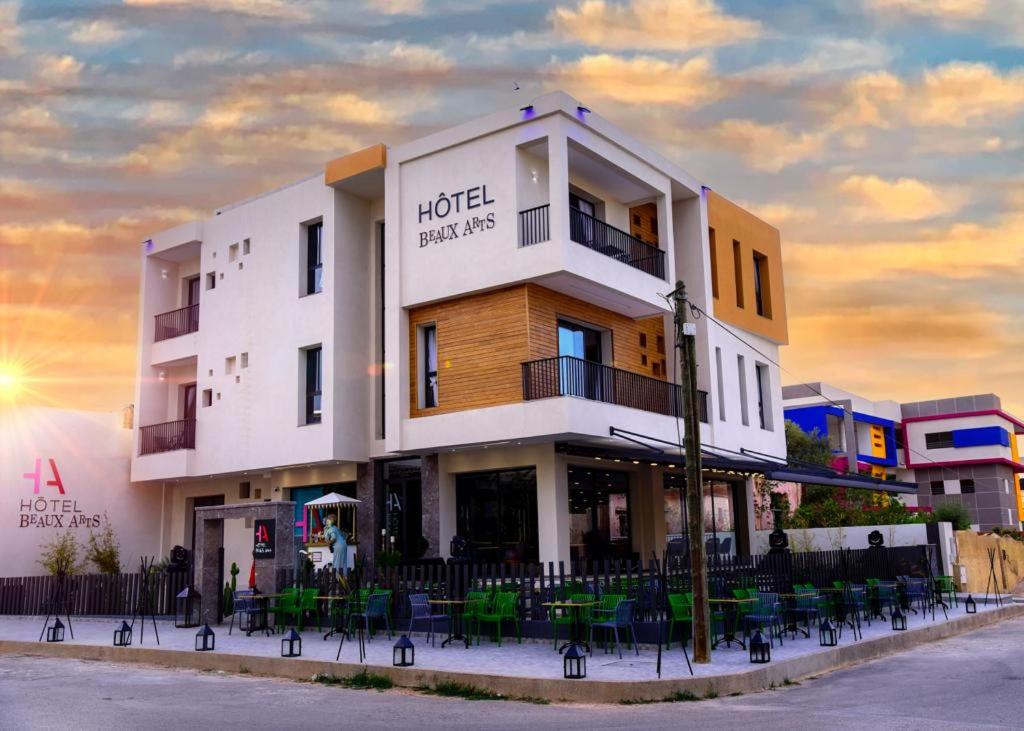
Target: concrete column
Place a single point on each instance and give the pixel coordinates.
(747, 515)
(446, 517)
(558, 183)
(552, 507)
(370, 512)
(430, 498)
(642, 507)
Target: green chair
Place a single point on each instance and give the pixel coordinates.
(286, 607)
(562, 616)
(945, 589)
(506, 607)
(477, 603)
(308, 604)
(681, 610)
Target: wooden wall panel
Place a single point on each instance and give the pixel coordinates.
(643, 222)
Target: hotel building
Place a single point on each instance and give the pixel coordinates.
(961, 450)
(469, 333)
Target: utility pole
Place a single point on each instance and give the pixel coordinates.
(686, 342)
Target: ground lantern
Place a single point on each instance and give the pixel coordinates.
(123, 635)
(188, 608)
(575, 662)
(56, 632)
(760, 648)
(291, 645)
(205, 639)
(404, 653)
(827, 634)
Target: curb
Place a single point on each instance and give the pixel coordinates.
(550, 689)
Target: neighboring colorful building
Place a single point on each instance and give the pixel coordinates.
(960, 449)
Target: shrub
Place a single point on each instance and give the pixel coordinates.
(954, 513)
(60, 555)
(103, 550)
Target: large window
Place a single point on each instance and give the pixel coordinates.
(314, 258)
(939, 440)
(497, 513)
(719, 513)
(764, 403)
(428, 366)
(314, 384)
(762, 295)
(741, 368)
(599, 516)
(737, 263)
(712, 246)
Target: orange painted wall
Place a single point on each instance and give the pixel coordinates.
(732, 223)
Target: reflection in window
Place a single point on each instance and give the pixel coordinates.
(719, 509)
(497, 513)
(599, 526)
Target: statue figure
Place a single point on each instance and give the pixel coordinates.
(337, 540)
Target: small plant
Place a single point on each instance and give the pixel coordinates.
(787, 681)
(710, 693)
(954, 513)
(451, 689)
(60, 555)
(362, 680)
(243, 670)
(103, 549)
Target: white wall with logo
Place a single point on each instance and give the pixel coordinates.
(85, 454)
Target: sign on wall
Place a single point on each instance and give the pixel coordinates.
(264, 539)
(42, 510)
(458, 204)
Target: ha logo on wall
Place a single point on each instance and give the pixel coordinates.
(44, 510)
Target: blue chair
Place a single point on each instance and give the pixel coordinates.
(376, 608)
(245, 608)
(766, 612)
(623, 619)
(916, 592)
(421, 611)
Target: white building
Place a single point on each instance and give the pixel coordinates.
(458, 331)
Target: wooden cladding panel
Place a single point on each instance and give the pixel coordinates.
(643, 222)
(481, 342)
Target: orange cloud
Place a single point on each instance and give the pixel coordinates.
(273, 9)
(940, 9)
(768, 147)
(672, 25)
(905, 199)
(641, 80)
(10, 33)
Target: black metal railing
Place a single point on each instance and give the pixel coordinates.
(610, 241)
(570, 376)
(533, 225)
(167, 437)
(176, 322)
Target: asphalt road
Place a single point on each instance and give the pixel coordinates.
(971, 681)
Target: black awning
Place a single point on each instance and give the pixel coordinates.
(791, 473)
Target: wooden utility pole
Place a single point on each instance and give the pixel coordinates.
(686, 342)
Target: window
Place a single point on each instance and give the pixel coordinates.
(246, 247)
(741, 367)
(232, 252)
(836, 428)
(938, 487)
(314, 385)
(966, 487)
(714, 262)
(207, 397)
(721, 384)
(497, 513)
(661, 344)
(381, 420)
(244, 490)
(192, 292)
(737, 261)
(428, 382)
(599, 514)
(643, 340)
(229, 365)
(764, 404)
(211, 280)
(314, 258)
(939, 440)
(245, 360)
(656, 369)
(762, 294)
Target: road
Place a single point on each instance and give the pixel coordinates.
(971, 681)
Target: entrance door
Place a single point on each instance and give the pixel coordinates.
(404, 507)
(581, 224)
(585, 376)
(188, 401)
(193, 292)
(599, 514)
(202, 502)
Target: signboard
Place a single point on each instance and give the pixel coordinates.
(264, 538)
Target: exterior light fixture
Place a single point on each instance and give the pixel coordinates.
(899, 619)
(291, 645)
(574, 663)
(970, 605)
(527, 111)
(56, 632)
(404, 654)
(205, 639)
(188, 608)
(760, 649)
(827, 634)
(123, 636)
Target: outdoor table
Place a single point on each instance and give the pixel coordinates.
(732, 608)
(456, 611)
(574, 609)
(262, 612)
(790, 611)
(335, 629)
(844, 612)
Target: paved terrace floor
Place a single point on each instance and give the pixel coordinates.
(533, 658)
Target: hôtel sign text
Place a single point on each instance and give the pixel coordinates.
(448, 204)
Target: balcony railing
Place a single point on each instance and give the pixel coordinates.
(176, 322)
(569, 376)
(167, 437)
(610, 241)
(533, 225)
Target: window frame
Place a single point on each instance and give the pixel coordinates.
(933, 441)
(313, 391)
(314, 251)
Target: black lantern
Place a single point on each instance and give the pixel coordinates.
(760, 648)
(56, 632)
(827, 634)
(404, 653)
(899, 619)
(205, 639)
(291, 645)
(575, 662)
(123, 636)
(970, 605)
(188, 608)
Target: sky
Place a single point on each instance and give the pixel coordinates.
(882, 137)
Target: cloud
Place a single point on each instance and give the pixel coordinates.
(266, 9)
(59, 70)
(671, 25)
(97, 32)
(780, 214)
(767, 147)
(407, 55)
(396, 7)
(10, 33)
(641, 80)
(202, 57)
(953, 10)
(905, 199)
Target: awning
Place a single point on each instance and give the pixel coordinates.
(830, 478)
(332, 498)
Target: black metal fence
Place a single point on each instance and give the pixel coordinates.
(533, 225)
(597, 235)
(176, 322)
(168, 436)
(570, 376)
(98, 594)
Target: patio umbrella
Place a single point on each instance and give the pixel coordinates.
(252, 575)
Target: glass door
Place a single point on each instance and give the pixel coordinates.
(581, 372)
(188, 401)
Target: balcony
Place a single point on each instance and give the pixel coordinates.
(570, 376)
(167, 437)
(176, 322)
(596, 235)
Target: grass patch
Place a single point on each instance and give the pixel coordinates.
(451, 689)
(243, 670)
(710, 694)
(737, 694)
(360, 681)
(680, 696)
(787, 681)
